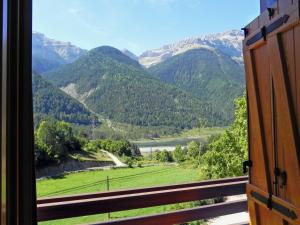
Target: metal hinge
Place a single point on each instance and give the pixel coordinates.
(247, 164)
(274, 205)
(267, 30)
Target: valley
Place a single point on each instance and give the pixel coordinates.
(155, 115)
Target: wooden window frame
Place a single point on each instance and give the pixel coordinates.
(18, 194)
(17, 169)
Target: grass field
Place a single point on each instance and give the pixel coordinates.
(203, 132)
(93, 181)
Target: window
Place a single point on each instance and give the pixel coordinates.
(82, 126)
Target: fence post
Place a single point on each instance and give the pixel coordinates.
(107, 183)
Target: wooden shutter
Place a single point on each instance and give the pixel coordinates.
(272, 61)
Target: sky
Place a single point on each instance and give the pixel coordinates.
(138, 25)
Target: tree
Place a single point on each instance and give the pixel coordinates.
(225, 154)
(179, 154)
(193, 150)
(163, 156)
(54, 139)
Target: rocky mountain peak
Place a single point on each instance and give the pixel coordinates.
(66, 50)
(229, 42)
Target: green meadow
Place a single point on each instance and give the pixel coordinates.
(93, 181)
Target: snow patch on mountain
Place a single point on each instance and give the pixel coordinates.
(229, 42)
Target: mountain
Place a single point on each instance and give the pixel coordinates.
(229, 43)
(130, 54)
(48, 54)
(113, 85)
(207, 73)
(51, 101)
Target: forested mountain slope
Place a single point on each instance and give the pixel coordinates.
(209, 74)
(51, 101)
(119, 88)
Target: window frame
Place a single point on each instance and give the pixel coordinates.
(18, 194)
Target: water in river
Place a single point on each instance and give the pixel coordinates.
(159, 148)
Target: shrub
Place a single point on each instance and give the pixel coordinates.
(225, 154)
(163, 156)
(179, 154)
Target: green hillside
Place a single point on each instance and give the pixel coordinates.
(117, 87)
(211, 75)
(51, 101)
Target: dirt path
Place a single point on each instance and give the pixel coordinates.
(117, 162)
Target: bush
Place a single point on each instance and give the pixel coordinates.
(225, 154)
(179, 154)
(163, 156)
(193, 150)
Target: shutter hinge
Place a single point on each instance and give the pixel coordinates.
(274, 205)
(246, 164)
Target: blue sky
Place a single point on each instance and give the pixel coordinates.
(138, 25)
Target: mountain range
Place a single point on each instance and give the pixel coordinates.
(183, 84)
(119, 88)
(229, 43)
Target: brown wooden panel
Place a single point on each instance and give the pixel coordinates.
(297, 71)
(267, 217)
(287, 134)
(288, 52)
(253, 212)
(288, 47)
(259, 170)
(264, 89)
